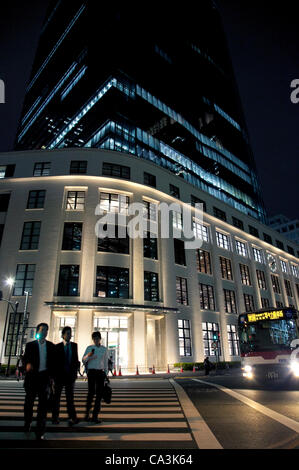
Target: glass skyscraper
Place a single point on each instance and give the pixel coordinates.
(155, 83)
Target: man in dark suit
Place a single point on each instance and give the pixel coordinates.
(38, 365)
(66, 368)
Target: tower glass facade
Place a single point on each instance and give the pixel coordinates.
(157, 84)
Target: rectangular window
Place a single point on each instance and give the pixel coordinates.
(275, 284)
(249, 303)
(4, 202)
(179, 252)
(261, 279)
(42, 169)
(116, 244)
(150, 246)
(226, 268)
(78, 167)
(245, 276)
(14, 333)
(258, 255)
(174, 191)
(150, 211)
(30, 236)
(204, 262)
(149, 180)
(177, 220)
(24, 279)
(68, 284)
(284, 266)
(230, 301)
(291, 250)
(201, 231)
(267, 238)
(288, 288)
(279, 304)
(253, 231)
(294, 270)
(223, 240)
(196, 200)
(112, 282)
(151, 286)
(184, 338)
(75, 200)
(72, 236)
(208, 331)
(118, 171)
(219, 213)
(241, 248)
(206, 294)
(36, 199)
(265, 302)
(279, 244)
(117, 203)
(181, 291)
(7, 171)
(233, 340)
(238, 223)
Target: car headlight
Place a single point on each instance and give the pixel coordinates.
(295, 368)
(248, 369)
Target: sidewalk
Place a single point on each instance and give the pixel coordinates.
(160, 375)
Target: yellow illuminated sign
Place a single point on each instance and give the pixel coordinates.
(275, 315)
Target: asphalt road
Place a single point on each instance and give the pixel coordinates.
(244, 415)
(185, 411)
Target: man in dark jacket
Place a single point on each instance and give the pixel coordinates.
(66, 368)
(38, 365)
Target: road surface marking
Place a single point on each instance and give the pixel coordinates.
(202, 434)
(288, 422)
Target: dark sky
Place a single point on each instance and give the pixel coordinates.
(264, 46)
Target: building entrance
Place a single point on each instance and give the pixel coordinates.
(114, 332)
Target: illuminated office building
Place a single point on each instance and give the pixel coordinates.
(126, 107)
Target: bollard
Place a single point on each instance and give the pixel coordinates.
(119, 371)
(168, 371)
(193, 368)
(137, 371)
(153, 371)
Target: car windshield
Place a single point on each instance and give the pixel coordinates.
(267, 335)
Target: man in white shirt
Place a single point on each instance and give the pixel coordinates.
(95, 359)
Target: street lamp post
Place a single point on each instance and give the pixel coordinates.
(15, 311)
(10, 282)
(24, 323)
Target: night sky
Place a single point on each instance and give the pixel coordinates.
(264, 46)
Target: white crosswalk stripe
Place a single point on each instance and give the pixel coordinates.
(139, 415)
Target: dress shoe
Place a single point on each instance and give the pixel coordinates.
(39, 436)
(74, 421)
(96, 420)
(27, 427)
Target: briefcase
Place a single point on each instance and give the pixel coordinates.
(107, 393)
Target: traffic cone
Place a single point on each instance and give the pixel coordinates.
(168, 371)
(153, 371)
(119, 371)
(182, 369)
(193, 368)
(137, 371)
(114, 372)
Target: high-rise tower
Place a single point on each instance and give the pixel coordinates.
(156, 83)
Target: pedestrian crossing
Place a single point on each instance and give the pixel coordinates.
(142, 415)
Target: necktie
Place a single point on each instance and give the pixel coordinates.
(67, 357)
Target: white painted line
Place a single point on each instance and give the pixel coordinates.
(161, 437)
(107, 415)
(202, 434)
(288, 422)
(137, 424)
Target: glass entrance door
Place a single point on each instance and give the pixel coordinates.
(114, 337)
